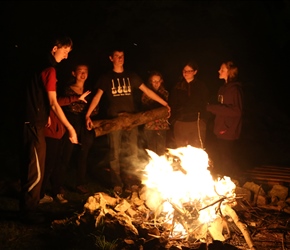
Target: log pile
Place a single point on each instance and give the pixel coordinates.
(138, 221)
(241, 224)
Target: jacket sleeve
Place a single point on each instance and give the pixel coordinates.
(234, 109)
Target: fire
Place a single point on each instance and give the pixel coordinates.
(180, 181)
(179, 200)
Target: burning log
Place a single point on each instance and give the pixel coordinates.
(127, 121)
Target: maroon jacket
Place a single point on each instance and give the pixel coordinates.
(228, 112)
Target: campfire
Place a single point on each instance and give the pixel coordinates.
(181, 190)
(179, 204)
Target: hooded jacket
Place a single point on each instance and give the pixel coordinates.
(228, 111)
(188, 101)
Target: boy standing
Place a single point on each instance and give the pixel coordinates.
(119, 85)
(40, 97)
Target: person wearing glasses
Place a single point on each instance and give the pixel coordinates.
(188, 100)
(155, 132)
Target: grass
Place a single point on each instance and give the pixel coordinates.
(15, 235)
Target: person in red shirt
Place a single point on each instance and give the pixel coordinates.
(40, 97)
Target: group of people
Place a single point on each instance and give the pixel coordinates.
(55, 124)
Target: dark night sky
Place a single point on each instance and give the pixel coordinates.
(161, 35)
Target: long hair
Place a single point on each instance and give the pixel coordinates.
(155, 73)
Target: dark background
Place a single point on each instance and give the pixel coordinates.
(161, 35)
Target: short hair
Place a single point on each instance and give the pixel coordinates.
(61, 41)
(116, 48)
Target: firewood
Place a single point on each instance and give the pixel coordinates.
(227, 210)
(127, 121)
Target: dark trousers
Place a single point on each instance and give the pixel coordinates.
(54, 171)
(156, 140)
(32, 167)
(190, 133)
(226, 159)
(86, 140)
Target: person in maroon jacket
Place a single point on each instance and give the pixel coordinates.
(228, 117)
(39, 99)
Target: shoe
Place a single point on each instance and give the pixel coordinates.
(46, 199)
(118, 190)
(81, 189)
(61, 199)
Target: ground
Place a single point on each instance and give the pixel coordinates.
(264, 141)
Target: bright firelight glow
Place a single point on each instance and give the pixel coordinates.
(181, 179)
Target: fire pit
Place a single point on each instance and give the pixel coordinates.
(180, 205)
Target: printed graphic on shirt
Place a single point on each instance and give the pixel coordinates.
(121, 87)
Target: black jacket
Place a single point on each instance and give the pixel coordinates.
(187, 100)
(36, 104)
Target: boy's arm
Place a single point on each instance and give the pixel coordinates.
(95, 101)
(54, 105)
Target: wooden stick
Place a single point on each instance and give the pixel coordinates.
(227, 210)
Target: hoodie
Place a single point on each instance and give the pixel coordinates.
(228, 111)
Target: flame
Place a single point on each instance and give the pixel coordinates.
(181, 179)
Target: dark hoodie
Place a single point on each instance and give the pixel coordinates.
(188, 101)
(228, 112)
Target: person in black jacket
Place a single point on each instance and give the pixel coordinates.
(40, 98)
(188, 100)
(228, 117)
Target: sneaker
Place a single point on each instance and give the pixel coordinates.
(81, 189)
(46, 199)
(61, 199)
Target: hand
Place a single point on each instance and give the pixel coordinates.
(47, 125)
(84, 95)
(89, 123)
(169, 110)
(73, 136)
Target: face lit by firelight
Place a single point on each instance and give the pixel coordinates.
(223, 72)
(60, 53)
(156, 81)
(189, 73)
(117, 58)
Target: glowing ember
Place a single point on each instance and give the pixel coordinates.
(181, 182)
